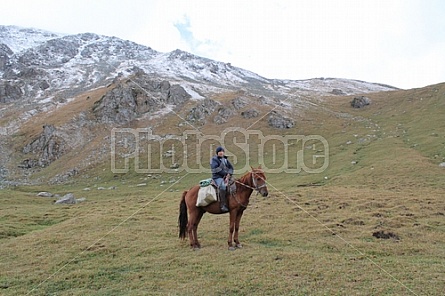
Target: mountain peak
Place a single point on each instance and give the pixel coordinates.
(19, 39)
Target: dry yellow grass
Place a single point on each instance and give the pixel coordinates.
(314, 240)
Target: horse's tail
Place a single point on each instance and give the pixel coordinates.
(183, 218)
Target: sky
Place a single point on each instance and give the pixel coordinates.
(395, 42)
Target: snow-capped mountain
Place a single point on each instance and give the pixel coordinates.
(19, 39)
(36, 64)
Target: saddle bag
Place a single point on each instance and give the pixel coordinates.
(206, 196)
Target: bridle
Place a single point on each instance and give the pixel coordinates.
(256, 188)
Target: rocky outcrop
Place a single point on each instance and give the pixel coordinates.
(176, 95)
(360, 102)
(10, 91)
(202, 110)
(52, 53)
(224, 113)
(5, 54)
(48, 147)
(3, 175)
(123, 104)
(277, 120)
(23, 82)
(239, 103)
(250, 113)
(64, 177)
(338, 92)
(135, 97)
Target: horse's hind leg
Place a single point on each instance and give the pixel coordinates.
(192, 228)
(190, 223)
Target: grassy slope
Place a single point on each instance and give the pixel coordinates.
(302, 240)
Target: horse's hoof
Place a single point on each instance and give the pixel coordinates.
(196, 248)
(239, 246)
(232, 248)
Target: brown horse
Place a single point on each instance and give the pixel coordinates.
(237, 203)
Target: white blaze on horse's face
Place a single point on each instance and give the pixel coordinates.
(263, 191)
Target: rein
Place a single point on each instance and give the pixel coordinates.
(257, 188)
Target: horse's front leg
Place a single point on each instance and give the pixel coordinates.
(231, 230)
(237, 222)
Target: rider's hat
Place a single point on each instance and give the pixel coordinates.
(218, 149)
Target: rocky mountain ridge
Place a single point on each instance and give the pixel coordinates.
(59, 92)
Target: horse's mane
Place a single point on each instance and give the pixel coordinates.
(244, 176)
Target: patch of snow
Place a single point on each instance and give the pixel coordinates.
(285, 104)
(326, 85)
(164, 111)
(47, 100)
(189, 89)
(19, 39)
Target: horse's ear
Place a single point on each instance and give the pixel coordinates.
(259, 167)
(252, 168)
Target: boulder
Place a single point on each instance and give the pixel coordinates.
(239, 103)
(67, 199)
(277, 120)
(360, 102)
(45, 194)
(251, 113)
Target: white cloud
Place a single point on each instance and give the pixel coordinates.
(389, 41)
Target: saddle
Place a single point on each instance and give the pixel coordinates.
(231, 187)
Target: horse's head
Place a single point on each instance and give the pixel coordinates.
(259, 181)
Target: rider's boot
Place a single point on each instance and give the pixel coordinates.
(223, 200)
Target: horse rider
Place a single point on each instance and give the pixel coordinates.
(222, 169)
